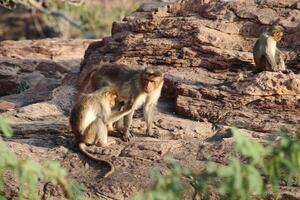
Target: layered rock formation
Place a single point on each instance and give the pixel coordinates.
(205, 47)
(30, 70)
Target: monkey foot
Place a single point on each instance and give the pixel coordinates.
(111, 141)
(154, 134)
(127, 137)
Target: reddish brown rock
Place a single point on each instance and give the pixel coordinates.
(5, 105)
(8, 85)
(187, 34)
(270, 83)
(53, 58)
(206, 51)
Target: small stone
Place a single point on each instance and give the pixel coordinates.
(86, 166)
(63, 149)
(106, 151)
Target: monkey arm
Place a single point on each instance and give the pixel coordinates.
(279, 52)
(115, 116)
(279, 56)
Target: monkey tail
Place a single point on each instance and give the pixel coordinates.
(82, 147)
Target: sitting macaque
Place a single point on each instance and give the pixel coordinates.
(135, 87)
(90, 117)
(267, 56)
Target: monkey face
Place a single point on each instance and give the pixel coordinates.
(111, 97)
(150, 83)
(151, 79)
(277, 35)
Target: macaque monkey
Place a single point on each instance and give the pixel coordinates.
(267, 56)
(90, 117)
(135, 87)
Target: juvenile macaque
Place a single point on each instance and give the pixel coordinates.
(90, 117)
(267, 56)
(135, 87)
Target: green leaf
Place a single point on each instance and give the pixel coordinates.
(5, 128)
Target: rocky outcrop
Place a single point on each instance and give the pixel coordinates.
(213, 35)
(30, 70)
(205, 48)
(39, 116)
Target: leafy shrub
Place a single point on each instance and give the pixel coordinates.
(251, 168)
(22, 86)
(167, 187)
(29, 172)
(80, 19)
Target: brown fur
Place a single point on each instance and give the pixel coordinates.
(135, 86)
(267, 56)
(90, 117)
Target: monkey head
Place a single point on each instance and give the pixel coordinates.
(276, 32)
(151, 79)
(111, 96)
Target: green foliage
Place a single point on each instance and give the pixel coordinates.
(283, 158)
(94, 19)
(80, 19)
(251, 168)
(168, 187)
(5, 128)
(22, 86)
(29, 172)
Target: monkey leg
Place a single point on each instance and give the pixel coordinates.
(264, 64)
(95, 133)
(281, 65)
(111, 141)
(148, 115)
(101, 133)
(89, 134)
(260, 65)
(127, 124)
(110, 127)
(119, 125)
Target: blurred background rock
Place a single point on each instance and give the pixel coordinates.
(35, 19)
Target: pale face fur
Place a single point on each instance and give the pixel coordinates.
(277, 35)
(151, 80)
(111, 98)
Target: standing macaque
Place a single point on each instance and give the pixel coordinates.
(135, 87)
(267, 56)
(90, 117)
